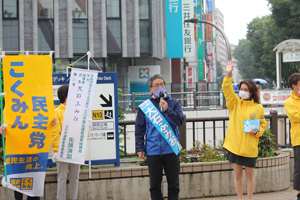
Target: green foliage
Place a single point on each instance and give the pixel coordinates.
(58, 68)
(84, 167)
(121, 116)
(203, 153)
(255, 55)
(266, 145)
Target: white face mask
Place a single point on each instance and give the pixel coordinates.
(244, 94)
(298, 89)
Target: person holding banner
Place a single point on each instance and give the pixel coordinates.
(63, 168)
(292, 108)
(156, 134)
(246, 125)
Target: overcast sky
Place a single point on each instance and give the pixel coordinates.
(238, 13)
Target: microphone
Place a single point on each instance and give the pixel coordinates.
(161, 96)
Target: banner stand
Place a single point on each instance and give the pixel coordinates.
(89, 56)
(3, 125)
(2, 55)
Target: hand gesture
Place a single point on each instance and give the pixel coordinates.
(2, 130)
(229, 68)
(253, 132)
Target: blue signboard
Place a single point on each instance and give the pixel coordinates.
(209, 6)
(251, 125)
(174, 26)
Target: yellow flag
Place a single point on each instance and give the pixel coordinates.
(29, 113)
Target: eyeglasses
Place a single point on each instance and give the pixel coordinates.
(159, 85)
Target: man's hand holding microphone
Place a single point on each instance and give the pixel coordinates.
(163, 105)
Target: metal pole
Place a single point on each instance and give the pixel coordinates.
(196, 20)
(278, 70)
(3, 138)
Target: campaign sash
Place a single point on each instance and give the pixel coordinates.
(29, 113)
(78, 113)
(161, 124)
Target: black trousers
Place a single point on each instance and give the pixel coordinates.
(296, 168)
(19, 196)
(156, 164)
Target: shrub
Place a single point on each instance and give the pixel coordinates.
(266, 145)
(206, 153)
(203, 153)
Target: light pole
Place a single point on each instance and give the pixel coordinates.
(196, 20)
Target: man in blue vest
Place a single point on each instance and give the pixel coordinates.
(156, 134)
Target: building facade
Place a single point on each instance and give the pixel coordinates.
(118, 33)
(221, 49)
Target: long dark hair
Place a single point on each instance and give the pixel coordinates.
(252, 89)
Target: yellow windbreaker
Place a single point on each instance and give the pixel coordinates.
(236, 141)
(56, 131)
(292, 109)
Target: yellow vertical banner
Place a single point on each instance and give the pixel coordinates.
(29, 113)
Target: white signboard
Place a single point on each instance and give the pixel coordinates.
(188, 29)
(103, 141)
(277, 97)
(102, 137)
(291, 57)
(209, 47)
(75, 127)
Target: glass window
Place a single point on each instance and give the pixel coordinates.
(45, 9)
(144, 9)
(113, 8)
(80, 27)
(10, 35)
(144, 26)
(46, 35)
(80, 36)
(45, 25)
(113, 36)
(10, 9)
(145, 36)
(79, 9)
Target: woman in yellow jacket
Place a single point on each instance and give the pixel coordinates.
(292, 108)
(242, 146)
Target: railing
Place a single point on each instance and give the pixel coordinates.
(188, 100)
(191, 126)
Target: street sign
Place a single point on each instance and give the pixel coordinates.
(103, 144)
(291, 56)
(103, 141)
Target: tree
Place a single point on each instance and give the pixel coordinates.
(255, 55)
(244, 56)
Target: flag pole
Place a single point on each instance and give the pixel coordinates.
(3, 138)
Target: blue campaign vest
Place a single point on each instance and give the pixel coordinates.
(161, 124)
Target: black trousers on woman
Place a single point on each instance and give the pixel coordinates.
(156, 164)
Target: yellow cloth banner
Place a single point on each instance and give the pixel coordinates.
(29, 113)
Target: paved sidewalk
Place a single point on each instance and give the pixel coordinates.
(289, 194)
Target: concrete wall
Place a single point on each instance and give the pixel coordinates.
(196, 180)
